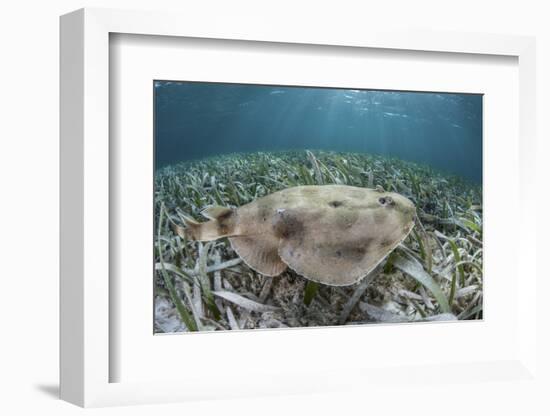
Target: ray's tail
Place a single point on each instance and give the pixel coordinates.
(222, 224)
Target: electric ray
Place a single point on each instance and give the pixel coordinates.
(332, 234)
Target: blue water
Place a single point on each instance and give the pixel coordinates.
(198, 120)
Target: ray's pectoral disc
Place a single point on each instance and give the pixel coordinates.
(332, 234)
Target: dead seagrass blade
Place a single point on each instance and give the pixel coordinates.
(332, 234)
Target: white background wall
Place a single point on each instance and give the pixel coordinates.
(29, 202)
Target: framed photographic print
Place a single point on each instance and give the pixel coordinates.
(276, 200)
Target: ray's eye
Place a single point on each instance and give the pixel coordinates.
(385, 200)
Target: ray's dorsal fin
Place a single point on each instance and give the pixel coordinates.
(215, 212)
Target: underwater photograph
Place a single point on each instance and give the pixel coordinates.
(292, 207)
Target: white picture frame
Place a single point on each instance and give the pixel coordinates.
(86, 356)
